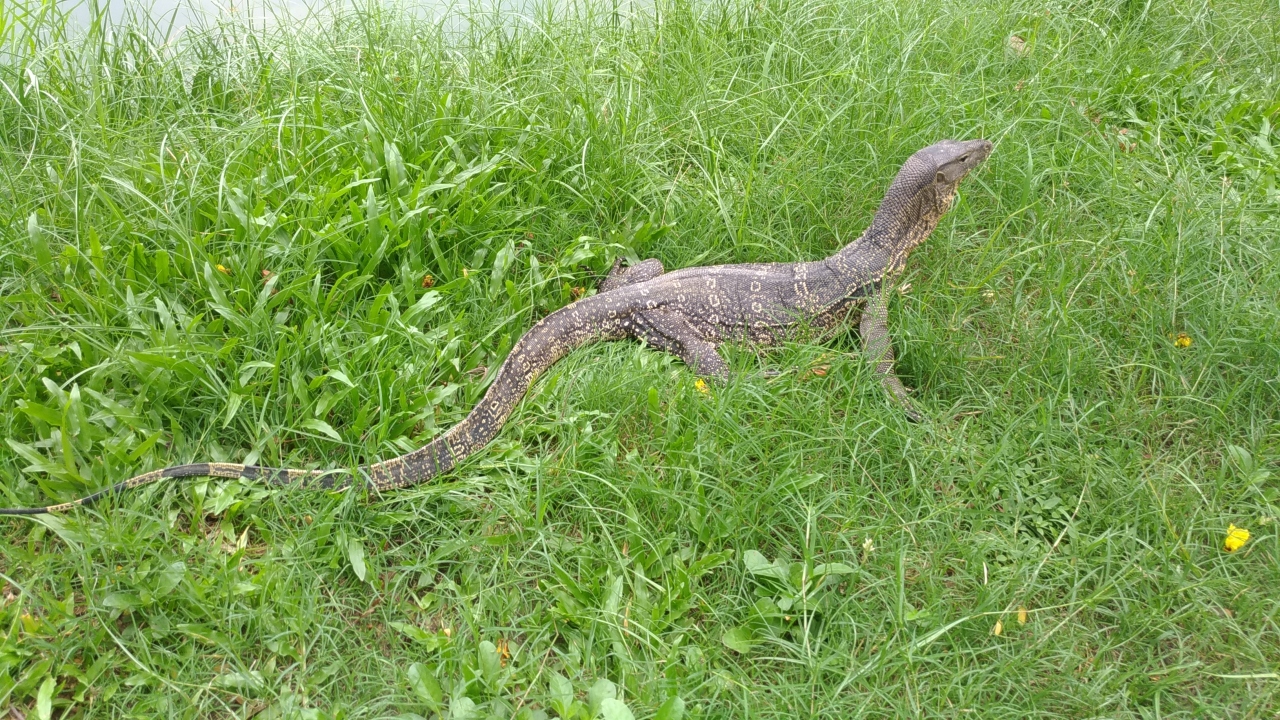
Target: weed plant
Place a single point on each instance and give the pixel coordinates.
(307, 243)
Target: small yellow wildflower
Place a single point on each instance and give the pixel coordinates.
(1182, 341)
(701, 386)
(504, 652)
(223, 269)
(1236, 538)
(1022, 616)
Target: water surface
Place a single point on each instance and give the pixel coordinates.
(171, 16)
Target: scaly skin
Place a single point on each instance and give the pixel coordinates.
(688, 313)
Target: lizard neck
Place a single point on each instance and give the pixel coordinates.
(860, 263)
(898, 227)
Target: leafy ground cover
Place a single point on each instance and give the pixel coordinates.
(304, 245)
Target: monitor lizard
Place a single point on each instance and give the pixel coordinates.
(687, 312)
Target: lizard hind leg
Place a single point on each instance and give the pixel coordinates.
(670, 332)
(620, 277)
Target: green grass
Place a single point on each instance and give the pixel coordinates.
(621, 534)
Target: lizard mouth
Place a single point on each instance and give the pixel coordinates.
(972, 154)
(981, 151)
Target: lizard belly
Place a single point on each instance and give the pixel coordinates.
(759, 324)
(842, 314)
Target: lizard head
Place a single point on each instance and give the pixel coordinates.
(922, 193)
(953, 159)
(930, 176)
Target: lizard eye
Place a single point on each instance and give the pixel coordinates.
(964, 158)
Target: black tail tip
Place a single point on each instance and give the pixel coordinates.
(25, 511)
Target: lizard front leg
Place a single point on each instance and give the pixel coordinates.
(619, 276)
(879, 348)
(670, 332)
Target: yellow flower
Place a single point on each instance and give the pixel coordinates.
(504, 653)
(1236, 538)
(1182, 341)
(223, 269)
(701, 386)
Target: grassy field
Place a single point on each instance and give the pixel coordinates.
(302, 246)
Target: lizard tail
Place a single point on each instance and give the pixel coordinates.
(545, 343)
(327, 479)
(542, 346)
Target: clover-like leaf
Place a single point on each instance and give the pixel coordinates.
(490, 663)
(614, 709)
(355, 553)
(672, 709)
(463, 708)
(424, 685)
(44, 699)
(739, 639)
(561, 691)
(757, 564)
(602, 690)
